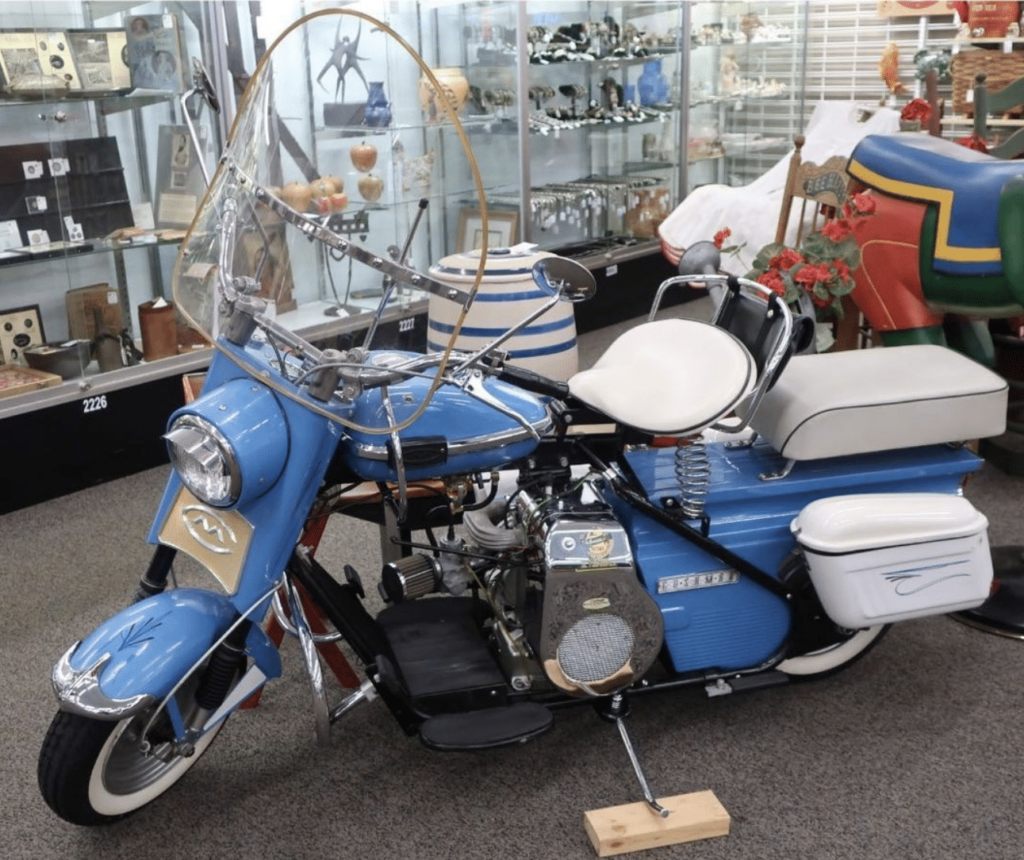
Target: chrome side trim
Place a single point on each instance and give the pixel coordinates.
(78, 691)
(469, 446)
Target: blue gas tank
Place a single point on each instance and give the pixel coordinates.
(464, 429)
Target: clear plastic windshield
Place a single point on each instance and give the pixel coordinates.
(310, 246)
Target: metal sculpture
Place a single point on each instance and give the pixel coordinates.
(343, 58)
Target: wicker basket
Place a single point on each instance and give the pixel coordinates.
(1000, 69)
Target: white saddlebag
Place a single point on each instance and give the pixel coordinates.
(888, 557)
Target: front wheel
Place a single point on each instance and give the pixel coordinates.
(95, 771)
(833, 658)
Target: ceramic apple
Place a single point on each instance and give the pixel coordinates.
(364, 156)
(371, 186)
(323, 187)
(297, 195)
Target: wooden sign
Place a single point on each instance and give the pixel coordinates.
(908, 8)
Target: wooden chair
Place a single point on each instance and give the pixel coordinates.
(825, 187)
(998, 103)
(822, 185)
(937, 105)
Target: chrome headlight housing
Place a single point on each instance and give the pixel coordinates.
(229, 446)
(204, 460)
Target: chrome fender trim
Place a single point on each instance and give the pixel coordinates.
(78, 690)
(137, 658)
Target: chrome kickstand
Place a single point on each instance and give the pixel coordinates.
(617, 712)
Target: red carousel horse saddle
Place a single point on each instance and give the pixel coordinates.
(963, 184)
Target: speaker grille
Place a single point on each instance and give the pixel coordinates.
(595, 648)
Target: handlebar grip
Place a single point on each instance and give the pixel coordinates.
(534, 382)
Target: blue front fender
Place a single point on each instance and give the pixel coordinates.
(138, 656)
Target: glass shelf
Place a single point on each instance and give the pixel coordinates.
(107, 102)
(18, 257)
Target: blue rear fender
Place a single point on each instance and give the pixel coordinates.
(138, 656)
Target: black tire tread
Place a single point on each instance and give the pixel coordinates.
(66, 760)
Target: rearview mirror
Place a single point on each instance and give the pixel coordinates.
(701, 258)
(201, 84)
(568, 280)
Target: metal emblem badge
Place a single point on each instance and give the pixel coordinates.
(691, 581)
(219, 540)
(209, 529)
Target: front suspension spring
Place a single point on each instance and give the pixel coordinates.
(222, 669)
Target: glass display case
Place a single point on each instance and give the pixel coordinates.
(577, 113)
(99, 182)
(572, 111)
(746, 91)
(579, 107)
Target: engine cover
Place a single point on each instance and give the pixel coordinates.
(600, 629)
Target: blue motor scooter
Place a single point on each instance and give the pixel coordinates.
(704, 507)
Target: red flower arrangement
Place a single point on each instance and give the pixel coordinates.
(973, 141)
(823, 265)
(916, 110)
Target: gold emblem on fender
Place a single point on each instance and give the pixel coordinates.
(218, 540)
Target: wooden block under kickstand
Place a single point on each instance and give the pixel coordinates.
(635, 826)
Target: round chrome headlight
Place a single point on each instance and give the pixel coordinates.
(204, 460)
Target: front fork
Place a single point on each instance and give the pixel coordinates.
(225, 666)
(154, 580)
(228, 659)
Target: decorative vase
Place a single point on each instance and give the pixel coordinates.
(454, 87)
(652, 85)
(378, 111)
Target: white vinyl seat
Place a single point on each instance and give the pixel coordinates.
(843, 403)
(671, 377)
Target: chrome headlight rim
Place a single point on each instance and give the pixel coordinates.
(197, 424)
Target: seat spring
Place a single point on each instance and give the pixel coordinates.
(693, 474)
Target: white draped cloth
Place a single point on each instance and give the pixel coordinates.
(751, 211)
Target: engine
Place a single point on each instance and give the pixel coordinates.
(569, 607)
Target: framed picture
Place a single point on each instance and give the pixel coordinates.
(179, 176)
(155, 56)
(20, 328)
(502, 229)
(102, 58)
(34, 62)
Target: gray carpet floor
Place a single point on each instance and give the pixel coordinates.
(917, 751)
